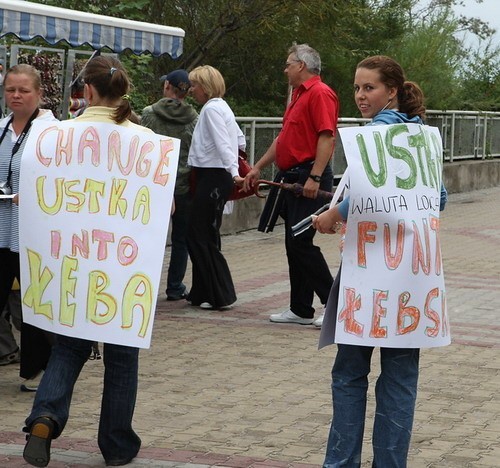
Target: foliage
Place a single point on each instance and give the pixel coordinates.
(248, 41)
(352, 31)
(479, 87)
(50, 67)
(431, 55)
(140, 72)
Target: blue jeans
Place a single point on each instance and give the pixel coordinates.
(179, 254)
(116, 438)
(395, 395)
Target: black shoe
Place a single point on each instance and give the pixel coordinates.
(177, 298)
(37, 449)
(12, 358)
(123, 461)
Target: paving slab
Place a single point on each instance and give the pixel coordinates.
(231, 389)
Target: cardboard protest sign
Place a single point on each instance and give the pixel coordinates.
(392, 290)
(95, 201)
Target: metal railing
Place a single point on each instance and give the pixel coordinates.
(467, 135)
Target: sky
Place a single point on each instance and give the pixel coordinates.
(488, 11)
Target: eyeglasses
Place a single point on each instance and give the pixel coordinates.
(287, 64)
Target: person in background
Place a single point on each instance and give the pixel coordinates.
(173, 116)
(213, 157)
(106, 88)
(1, 90)
(23, 96)
(383, 95)
(11, 316)
(302, 152)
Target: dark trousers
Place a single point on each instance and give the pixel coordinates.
(212, 280)
(308, 270)
(35, 343)
(116, 438)
(9, 270)
(179, 253)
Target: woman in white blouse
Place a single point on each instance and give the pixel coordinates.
(213, 157)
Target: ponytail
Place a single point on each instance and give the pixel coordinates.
(411, 100)
(123, 111)
(110, 80)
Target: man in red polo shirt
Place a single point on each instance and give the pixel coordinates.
(302, 152)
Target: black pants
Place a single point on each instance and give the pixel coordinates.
(212, 280)
(308, 270)
(35, 343)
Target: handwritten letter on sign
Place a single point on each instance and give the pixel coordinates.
(95, 204)
(392, 287)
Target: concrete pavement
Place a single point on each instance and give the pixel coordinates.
(232, 389)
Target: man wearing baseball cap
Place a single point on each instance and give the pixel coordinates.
(173, 117)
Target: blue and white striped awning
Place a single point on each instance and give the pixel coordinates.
(28, 20)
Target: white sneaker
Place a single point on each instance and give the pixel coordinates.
(289, 317)
(319, 321)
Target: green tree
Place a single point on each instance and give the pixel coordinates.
(350, 31)
(479, 79)
(431, 55)
(248, 41)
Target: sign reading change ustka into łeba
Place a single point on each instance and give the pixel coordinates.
(95, 201)
(392, 290)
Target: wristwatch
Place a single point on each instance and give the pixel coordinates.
(316, 178)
